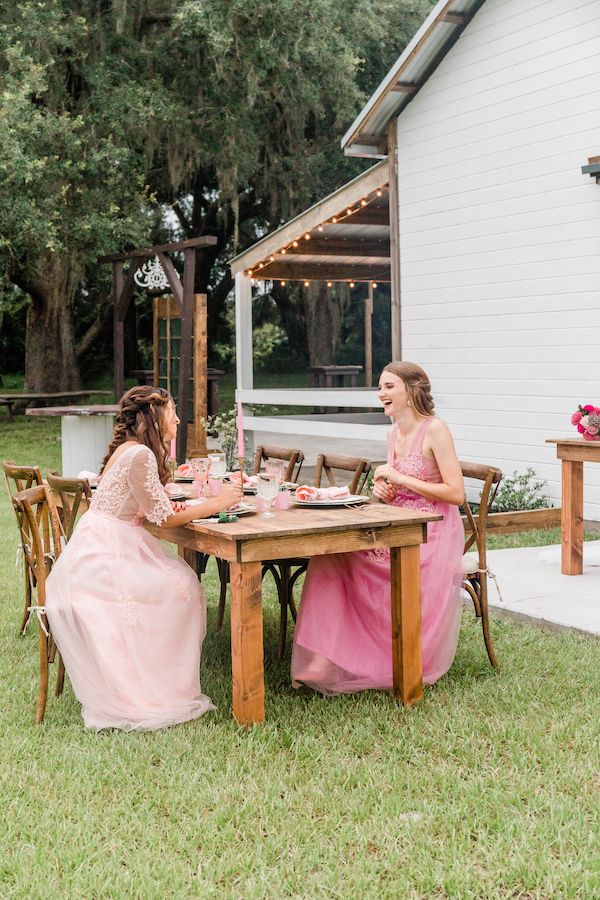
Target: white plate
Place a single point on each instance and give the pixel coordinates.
(351, 500)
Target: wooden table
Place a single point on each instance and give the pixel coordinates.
(573, 452)
(86, 432)
(301, 532)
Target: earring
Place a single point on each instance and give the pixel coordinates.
(408, 403)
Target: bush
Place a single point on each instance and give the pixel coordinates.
(521, 492)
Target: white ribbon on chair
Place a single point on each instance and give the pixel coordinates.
(494, 579)
(40, 611)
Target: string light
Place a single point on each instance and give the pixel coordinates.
(352, 284)
(306, 283)
(350, 210)
(283, 283)
(374, 284)
(330, 284)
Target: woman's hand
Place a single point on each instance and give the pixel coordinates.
(387, 473)
(383, 490)
(178, 505)
(231, 494)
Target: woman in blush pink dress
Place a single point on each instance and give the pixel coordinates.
(343, 634)
(128, 617)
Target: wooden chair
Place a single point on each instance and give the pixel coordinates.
(294, 459)
(35, 508)
(21, 478)
(70, 493)
(475, 570)
(286, 572)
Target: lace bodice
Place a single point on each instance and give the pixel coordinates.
(131, 489)
(415, 464)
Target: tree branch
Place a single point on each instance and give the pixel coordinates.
(95, 329)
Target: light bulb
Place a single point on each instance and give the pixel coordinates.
(352, 284)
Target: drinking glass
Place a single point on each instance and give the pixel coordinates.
(267, 488)
(217, 464)
(201, 467)
(275, 468)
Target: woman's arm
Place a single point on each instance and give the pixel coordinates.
(451, 489)
(229, 495)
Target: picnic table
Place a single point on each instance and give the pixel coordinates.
(573, 452)
(303, 532)
(10, 399)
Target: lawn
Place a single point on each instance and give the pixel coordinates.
(489, 789)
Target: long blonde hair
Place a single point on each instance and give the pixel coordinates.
(417, 384)
(141, 417)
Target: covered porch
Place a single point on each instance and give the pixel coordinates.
(351, 236)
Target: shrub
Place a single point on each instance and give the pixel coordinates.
(521, 492)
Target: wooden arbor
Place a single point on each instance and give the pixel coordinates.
(183, 291)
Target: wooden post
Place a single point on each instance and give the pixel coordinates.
(369, 337)
(405, 575)
(118, 332)
(200, 377)
(247, 664)
(185, 362)
(243, 331)
(572, 517)
(396, 311)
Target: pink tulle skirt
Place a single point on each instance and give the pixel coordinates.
(343, 639)
(129, 620)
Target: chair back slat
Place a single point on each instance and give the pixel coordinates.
(327, 462)
(490, 476)
(292, 456)
(70, 492)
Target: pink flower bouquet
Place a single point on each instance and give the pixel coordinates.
(587, 422)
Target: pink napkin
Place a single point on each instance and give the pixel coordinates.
(306, 492)
(185, 470)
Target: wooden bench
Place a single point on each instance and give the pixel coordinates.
(9, 400)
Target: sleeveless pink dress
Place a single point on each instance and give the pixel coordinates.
(127, 616)
(343, 641)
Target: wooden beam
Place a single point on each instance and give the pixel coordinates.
(185, 361)
(172, 276)
(369, 336)
(370, 215)
(208, 240)
(456, 18)
(118, 331)
(403, 87)
(324, 272)
(127, 286)
(339, 247)
(394, 214)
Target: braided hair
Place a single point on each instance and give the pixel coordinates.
(417, 384)
(141, 418)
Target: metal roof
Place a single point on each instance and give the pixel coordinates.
(367, 136)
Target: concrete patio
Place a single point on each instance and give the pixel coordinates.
(533, 588)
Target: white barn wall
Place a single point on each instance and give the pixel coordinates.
(500, 232)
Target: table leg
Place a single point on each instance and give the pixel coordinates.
(247, 665)
(405, 574)
(572, 517)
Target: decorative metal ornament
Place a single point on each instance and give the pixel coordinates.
(151, 276)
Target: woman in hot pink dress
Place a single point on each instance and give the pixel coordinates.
(128, 617)
(343, 634)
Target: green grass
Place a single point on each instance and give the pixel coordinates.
(489, 789)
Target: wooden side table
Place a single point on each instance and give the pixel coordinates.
(332, 377)
(573, 452)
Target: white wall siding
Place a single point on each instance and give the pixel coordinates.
(500, 232)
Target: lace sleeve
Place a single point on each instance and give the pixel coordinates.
(146, 487)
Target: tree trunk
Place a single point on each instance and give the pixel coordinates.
(50, 358)
(323, 310)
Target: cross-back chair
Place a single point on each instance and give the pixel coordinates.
(35, 507)
(475, 570)
(286, 572)
(328, 464)
(294, 459)
(21, 478)
(70, 492)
